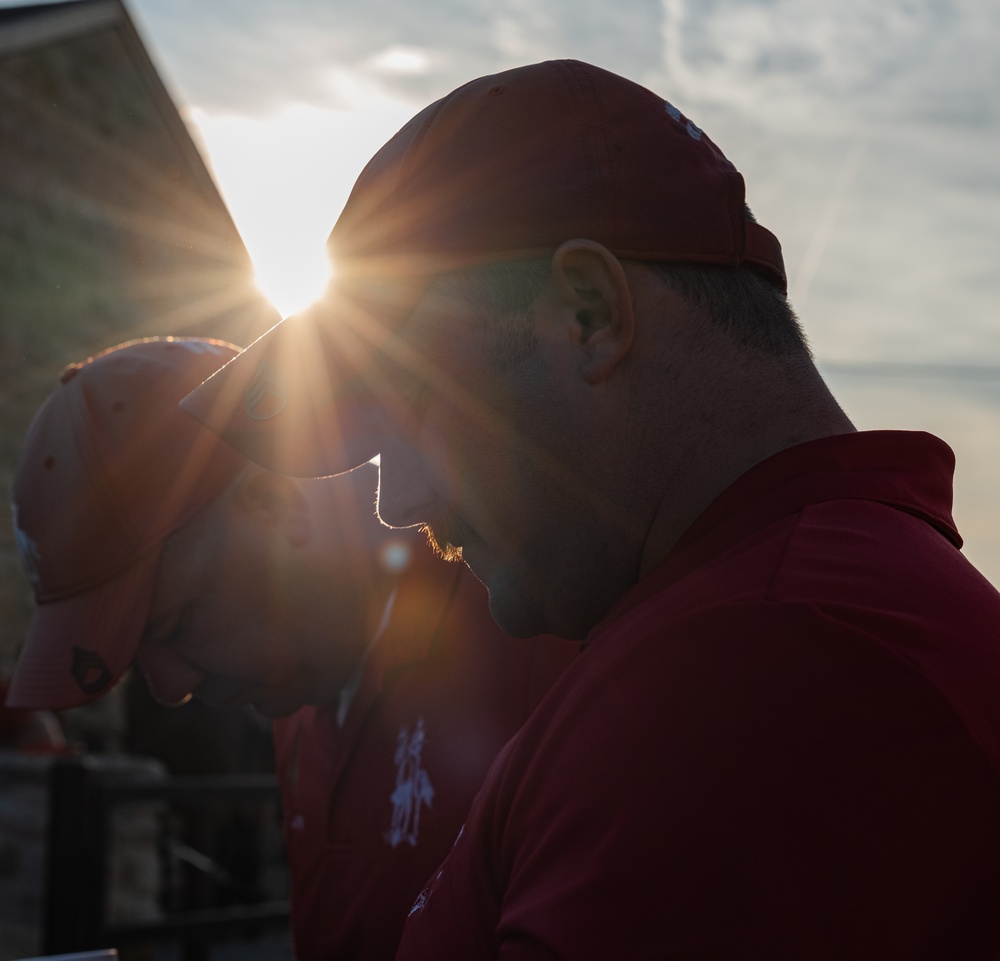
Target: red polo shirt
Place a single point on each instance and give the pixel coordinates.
(783, 744)
(371, 808)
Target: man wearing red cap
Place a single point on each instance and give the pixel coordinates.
(148, 540)
(569, 341)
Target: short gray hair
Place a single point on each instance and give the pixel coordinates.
(739, 301)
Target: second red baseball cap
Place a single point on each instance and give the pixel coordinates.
(109, 468)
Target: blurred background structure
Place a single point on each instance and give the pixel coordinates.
(112, 228)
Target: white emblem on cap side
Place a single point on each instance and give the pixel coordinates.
(27, 550)
(694, 131)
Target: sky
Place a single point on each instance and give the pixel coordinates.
(868, 133)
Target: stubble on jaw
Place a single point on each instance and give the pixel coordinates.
(441, 544)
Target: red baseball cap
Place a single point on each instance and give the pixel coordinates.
(508, 166)
(110, 467)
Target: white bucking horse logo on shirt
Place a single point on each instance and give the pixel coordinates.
(413, 787)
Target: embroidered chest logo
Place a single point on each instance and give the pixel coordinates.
(413, 787)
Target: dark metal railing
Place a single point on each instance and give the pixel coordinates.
(81, 801)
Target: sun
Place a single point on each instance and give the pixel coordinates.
(286, 177)
(291, 279)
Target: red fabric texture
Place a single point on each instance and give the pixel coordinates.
(781, 744)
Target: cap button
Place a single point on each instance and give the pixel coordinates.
(69, 372)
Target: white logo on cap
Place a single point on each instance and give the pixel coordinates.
(693, 130)
(267, 394)
(27, 550)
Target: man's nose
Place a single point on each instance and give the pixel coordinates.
(406, 498)
(172, 681)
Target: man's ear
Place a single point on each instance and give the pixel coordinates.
(591, 283)
(277, 501)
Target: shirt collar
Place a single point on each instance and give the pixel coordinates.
(908, 470)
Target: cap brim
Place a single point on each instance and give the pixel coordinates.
(79, 647)
(300, 399)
